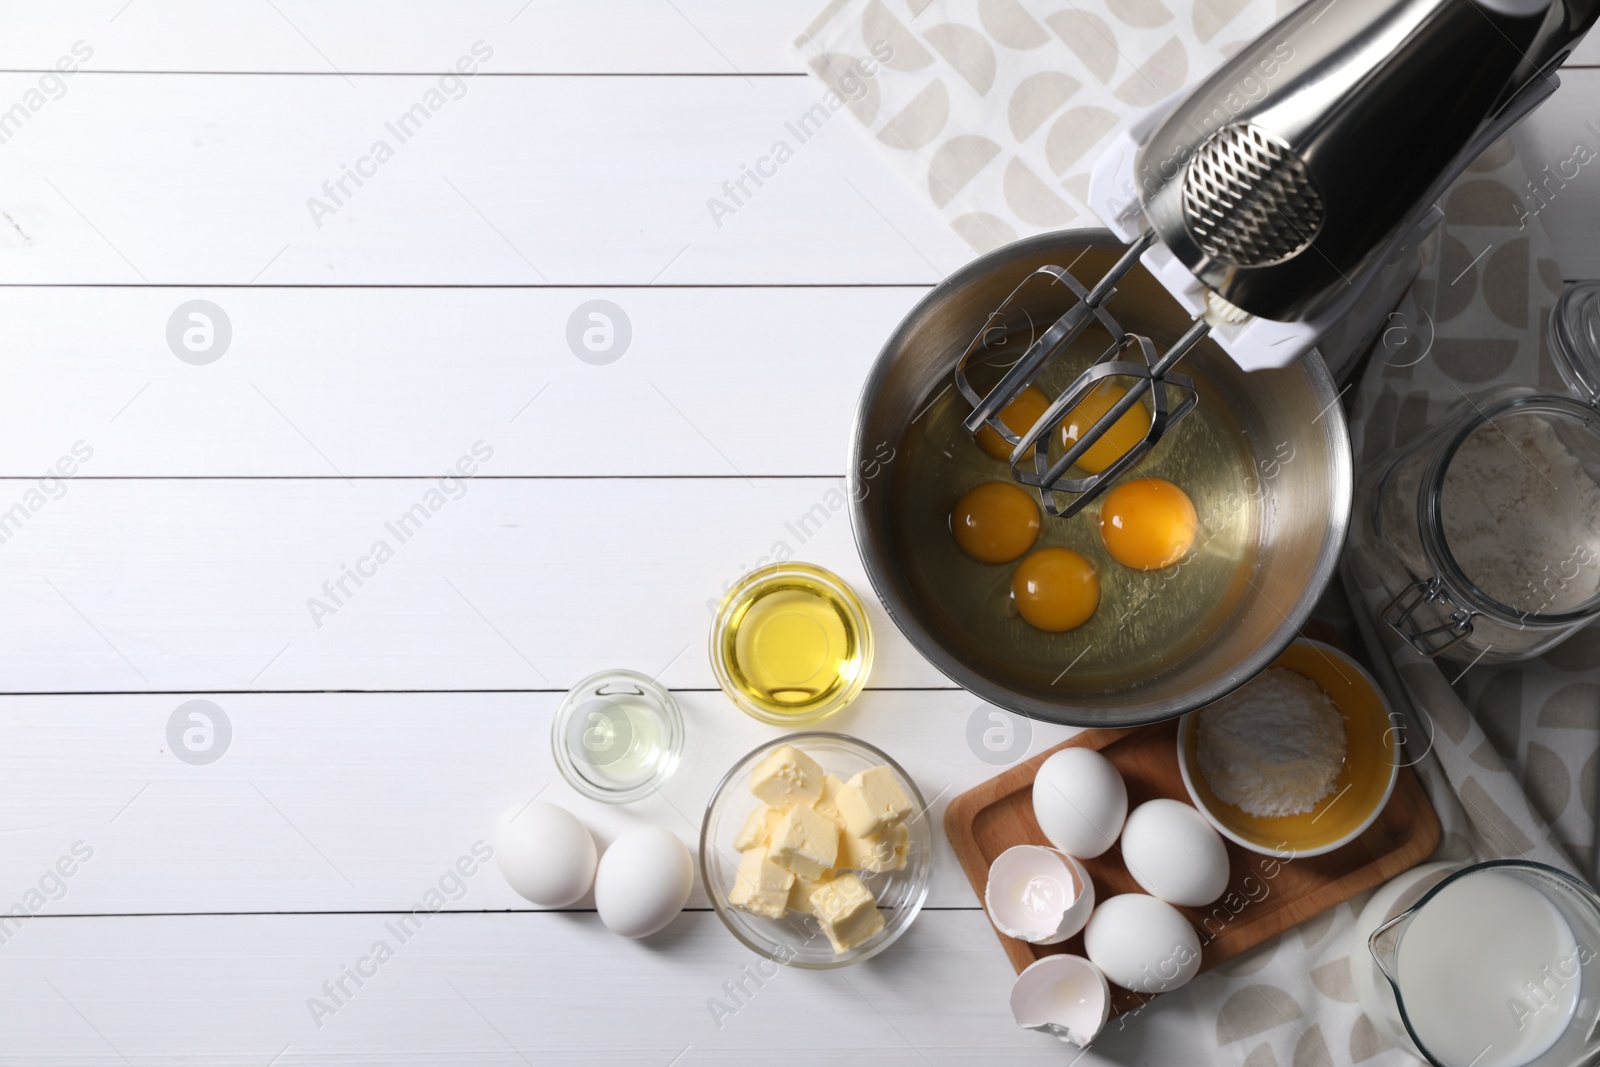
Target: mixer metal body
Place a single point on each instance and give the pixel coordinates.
(1270, 197)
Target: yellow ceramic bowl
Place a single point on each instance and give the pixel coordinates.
(1371, 764)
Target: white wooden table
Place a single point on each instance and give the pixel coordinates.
(372, 745)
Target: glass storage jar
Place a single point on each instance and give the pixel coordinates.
(1486, 531)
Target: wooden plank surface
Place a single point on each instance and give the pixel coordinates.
(556, 36)
(373, 36)
(356, 802)
(399, 381)
(130, 585)
(512, 989)
(120, 181)
(211, 179)
(369, 354)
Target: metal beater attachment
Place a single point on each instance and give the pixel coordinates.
(1173, 395)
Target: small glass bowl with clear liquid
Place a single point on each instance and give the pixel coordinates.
(791, 644)
(617, 736)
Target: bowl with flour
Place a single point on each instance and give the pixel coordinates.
(1298, 762)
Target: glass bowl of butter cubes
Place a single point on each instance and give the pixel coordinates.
(816, 850)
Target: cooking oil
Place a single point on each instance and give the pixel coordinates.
(791, 644)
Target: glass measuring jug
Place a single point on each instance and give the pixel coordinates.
(1498, 965)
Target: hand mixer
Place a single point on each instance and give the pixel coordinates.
(1268, 198)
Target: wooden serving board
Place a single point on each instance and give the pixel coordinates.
(1265, 896)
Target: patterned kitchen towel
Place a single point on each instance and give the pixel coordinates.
(994, 110)
(1518, 742)
(1508, 754)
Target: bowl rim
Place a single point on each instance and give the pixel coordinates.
(928, 646)
(858, 616)
(716, 893)
(1186, 725)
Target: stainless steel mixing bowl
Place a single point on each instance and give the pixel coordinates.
(1304, 505)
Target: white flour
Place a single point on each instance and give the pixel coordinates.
(1520, 516)
(1274, 747)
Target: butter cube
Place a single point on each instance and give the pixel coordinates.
(901, 836)
(873, 801)
(877, 853)
(757, 829)
(800, 892)
(760, 887)
(787, 777)
(828, 803)
(805, 842)
(846, 911)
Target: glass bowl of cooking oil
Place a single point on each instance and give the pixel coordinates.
(791, 644)
(617, 736)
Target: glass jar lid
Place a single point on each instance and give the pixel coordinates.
(1573, 333)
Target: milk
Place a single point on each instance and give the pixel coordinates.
(1489, 972)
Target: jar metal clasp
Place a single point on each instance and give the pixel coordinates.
(1401, 617)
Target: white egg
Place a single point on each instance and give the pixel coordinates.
(1174, 854)
(1079, 801)
(643, 882)
(545, 853)
(1142, 943)
(1063, 995)
(1039, 895)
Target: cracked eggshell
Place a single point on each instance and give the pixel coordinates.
(1080, 801)
(1065, 996)
(1038, 894)
(1142, 943)
(1174, 854)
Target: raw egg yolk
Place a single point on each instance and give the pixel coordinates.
(1149, 523)
(1019, 417)
(1123, 436)
(995, 522)
(1056, 589)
